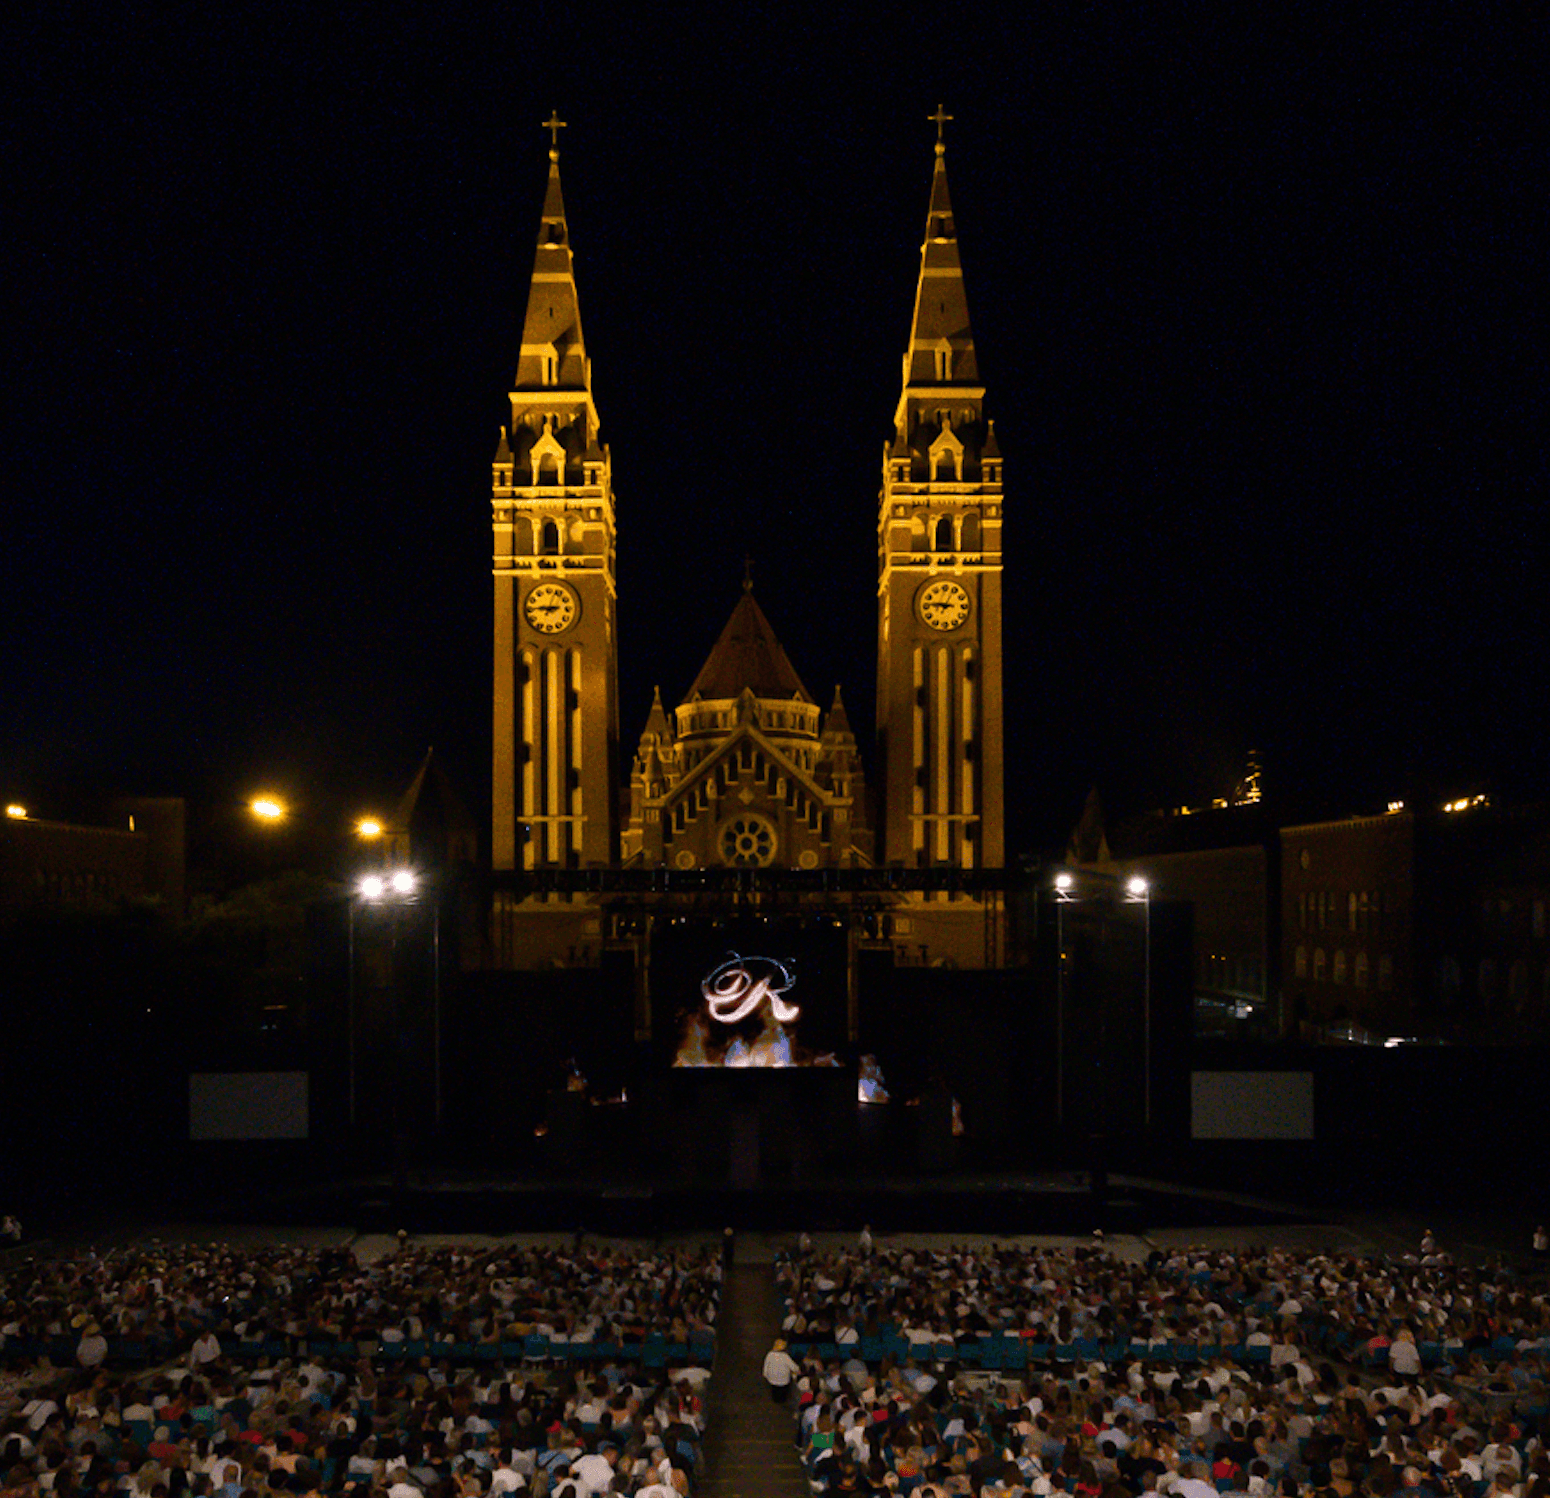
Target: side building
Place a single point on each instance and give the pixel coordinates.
(1405, 925)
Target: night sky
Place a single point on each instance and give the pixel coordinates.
(1259, 308)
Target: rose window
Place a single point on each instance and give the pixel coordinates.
(748, 840)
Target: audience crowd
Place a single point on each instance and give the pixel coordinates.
(209, 1370)
(568, 1373)
(1277, 1375)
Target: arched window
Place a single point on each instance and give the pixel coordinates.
(1450, 980)
(971, 532)
(1488, 992)
(1318, 964)
(550, 545)
(1339, 967)
(944, 535)
(1361, 970)
(1300, 962)
(1517, 985)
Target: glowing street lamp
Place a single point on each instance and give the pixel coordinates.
(1064, 883)
(394, 890)
(369, 828)
(267, 808)
(16, 813)
(1139, 892)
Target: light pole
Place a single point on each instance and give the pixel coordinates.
(276, 813)
(394, 890)
(1063, 897)
(1139, 892)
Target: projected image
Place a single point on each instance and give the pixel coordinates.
(748, 1018)
(749, 992)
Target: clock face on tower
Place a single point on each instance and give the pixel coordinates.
(943, 604)
(551, 608)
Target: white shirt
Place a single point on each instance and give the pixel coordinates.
(780, 1368)
(592, 1472)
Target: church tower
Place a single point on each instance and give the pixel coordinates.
(555, 802)
(939, 607)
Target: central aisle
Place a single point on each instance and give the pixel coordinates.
(749, 1450)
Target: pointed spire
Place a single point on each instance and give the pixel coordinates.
(1089, 838)
(656, 728)
(747, 655)
(553, 353)
(941, 347)
(836, 723)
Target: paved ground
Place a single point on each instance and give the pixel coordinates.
(749, 1447)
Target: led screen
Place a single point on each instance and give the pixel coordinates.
(247, 1105)
(750, 993)
(1251, 1105)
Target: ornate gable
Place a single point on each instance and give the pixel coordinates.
(745, 802)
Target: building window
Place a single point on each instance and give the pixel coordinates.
(1350, 910)
(1517, 986)
(944, 535)
(1450, 979)
(1300, 962)
(1339, 967)
(1487, 980)
(748, 841)
(550, 546)
(1318, 964)
(1361, 970)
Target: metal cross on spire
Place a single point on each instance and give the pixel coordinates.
(554, 124)
(941, 117)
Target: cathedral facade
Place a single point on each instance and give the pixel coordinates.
(748, 770)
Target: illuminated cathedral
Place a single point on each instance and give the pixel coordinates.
(749, 770)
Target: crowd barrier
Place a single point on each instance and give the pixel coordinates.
(134, 1352)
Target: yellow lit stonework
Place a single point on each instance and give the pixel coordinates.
(939, 614)
(748, 770)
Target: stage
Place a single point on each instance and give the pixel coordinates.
(996, 1203)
